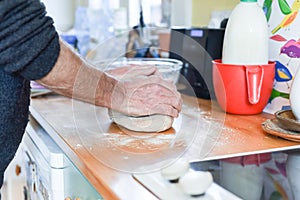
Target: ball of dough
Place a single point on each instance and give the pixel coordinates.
(195, 182)
(175, 170)
(150, 123)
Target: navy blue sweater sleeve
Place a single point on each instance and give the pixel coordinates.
(29, 44)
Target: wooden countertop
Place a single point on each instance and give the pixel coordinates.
(108, 155)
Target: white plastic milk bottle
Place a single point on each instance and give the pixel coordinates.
(246, 35)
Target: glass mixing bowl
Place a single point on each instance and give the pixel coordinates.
(169, 68)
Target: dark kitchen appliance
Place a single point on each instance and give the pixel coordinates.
(196, 48)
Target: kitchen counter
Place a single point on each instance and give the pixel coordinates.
(108, 155)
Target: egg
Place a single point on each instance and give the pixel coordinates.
(195, 183)
(175, 169)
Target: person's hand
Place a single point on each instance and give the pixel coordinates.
(141, 91)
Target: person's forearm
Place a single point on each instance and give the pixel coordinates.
(73, 77)
(133, 90)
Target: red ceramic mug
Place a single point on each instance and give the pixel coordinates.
(243, 89)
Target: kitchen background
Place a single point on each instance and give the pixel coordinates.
(157, 12)
(161, 16)
(120, 16)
